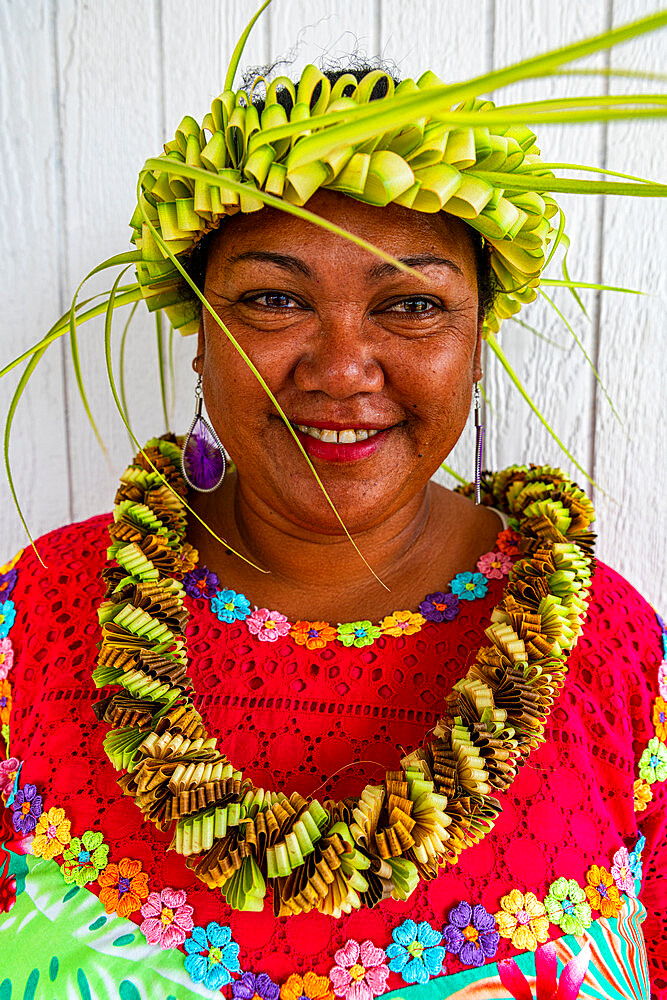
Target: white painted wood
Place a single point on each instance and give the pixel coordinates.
(93, 89)
(631, 460)
(30, 282)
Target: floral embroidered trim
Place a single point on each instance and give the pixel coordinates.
(416, 951)
(471, 934)
(360, 972)
(652, 765)
(567, 906)
(52, 834)
(123, 887)
(523, 919)
(212, 956)
(601, 892)
(310, 986)
(84, 858)
(167, 918)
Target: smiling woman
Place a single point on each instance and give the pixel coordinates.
(320, 727)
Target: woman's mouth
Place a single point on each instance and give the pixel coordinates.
(347, 444)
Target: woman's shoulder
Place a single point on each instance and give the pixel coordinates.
(71, 550)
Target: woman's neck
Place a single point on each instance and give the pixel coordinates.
(316, 575)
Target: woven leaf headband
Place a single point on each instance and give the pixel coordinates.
(423, 145)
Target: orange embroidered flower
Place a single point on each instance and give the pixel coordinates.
(5, 702)
(313, 635)
(660, 718)
(52, 834)
(11, 564)
(188, 558)
(402, 623)
(310, 987)
(601, 892)
(523, 919)
(508, 542)
(123, 887)
(643, 794)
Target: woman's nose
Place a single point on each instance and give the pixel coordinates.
(339, 360)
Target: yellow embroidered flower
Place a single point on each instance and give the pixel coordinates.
(643, 794)
(11, 564)
(660, 718)
(523, 920)
(601, 892)
(52, 834)
(402, 623)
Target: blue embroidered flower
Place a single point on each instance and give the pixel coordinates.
(7, 616)
(230, 606)
(471, 934)
(636, 867)
(212, 956)
(468, 586)
(416, 951)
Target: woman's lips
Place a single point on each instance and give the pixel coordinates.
(336, 452)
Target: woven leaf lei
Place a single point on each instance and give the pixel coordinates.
(441, 799)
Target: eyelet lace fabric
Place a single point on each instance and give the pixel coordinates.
(293, 719)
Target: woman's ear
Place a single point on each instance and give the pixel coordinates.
(198, 360)
(477, 360)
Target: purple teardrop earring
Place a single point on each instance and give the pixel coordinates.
(479, 442)
(203, 460)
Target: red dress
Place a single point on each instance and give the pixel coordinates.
(293, 719)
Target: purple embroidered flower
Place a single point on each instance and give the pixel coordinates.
(26, 808)
(251, 985)
(471, 934)
(200, 582)
(7, 583)
(439, 607)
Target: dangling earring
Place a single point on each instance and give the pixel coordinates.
(203, 460)
(479, 442)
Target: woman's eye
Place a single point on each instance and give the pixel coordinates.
(416, 304)
(273, 300)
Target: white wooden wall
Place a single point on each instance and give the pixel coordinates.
(90, 88)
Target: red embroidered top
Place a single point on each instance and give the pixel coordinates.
(294, 719)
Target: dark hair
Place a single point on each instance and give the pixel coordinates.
(195, 264)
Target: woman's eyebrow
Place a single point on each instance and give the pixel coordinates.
(283, 260)
(384, 269)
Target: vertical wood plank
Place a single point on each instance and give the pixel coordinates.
(29, 206)
(110, 95)
(631, 461)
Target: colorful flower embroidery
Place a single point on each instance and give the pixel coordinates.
(643, 794)
(601, 892)
(662, 679)
(200, 583)
(402, 623)
(310, 987)
(85, 858)
(508, 542)
(188, 558)
(267, 625)
(167, 918)
(52, 834)
(313, 635)
(6, 657)
(5, 702)
(26, 809)
(212, 956)
(360, 972)
(416, 951)
(358, 633)
(471, 934)
(660, 718)
(522, 919)
(7, 617)
(7, 583)
(440, 607)
(251, 986)
(567, 906)
(636, 866)
(8, 770)
(123, 887)
(653, 761)
(622, 872)
(468, 586)
(494, 565)
(230, 607)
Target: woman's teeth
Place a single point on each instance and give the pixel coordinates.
(347, 436)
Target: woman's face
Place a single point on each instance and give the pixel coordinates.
(375, 366)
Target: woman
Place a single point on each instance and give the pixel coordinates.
(392, 694)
